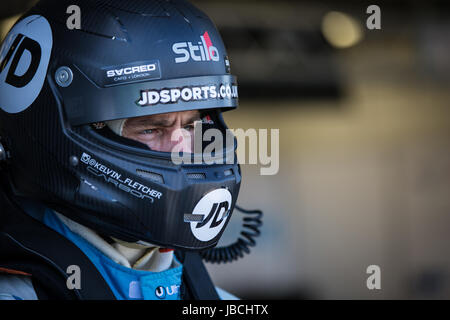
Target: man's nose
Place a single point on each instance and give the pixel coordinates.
(178, 140)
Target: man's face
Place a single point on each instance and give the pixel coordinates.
(162, 132)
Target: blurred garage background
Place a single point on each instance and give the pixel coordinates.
(364, 123)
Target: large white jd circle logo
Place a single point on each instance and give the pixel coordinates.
(215, 208)
(24, 58)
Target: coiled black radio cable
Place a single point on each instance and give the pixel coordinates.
(252, 223)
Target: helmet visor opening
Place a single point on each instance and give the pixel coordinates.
(188, 135)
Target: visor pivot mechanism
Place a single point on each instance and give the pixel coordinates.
(63, 76)
(73, 160)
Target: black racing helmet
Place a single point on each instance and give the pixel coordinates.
(59, 86)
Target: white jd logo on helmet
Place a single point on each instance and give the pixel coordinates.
(213, 211)
(24, 58)
(202, 51)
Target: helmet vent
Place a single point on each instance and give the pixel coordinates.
(156, 177)
(196, 176)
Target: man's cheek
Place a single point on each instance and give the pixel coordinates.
(181, 141)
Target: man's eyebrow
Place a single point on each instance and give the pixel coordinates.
(158, 122)
(192, 119)
(165, 122)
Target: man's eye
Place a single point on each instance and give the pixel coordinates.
(148, 131)
(189, 127)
